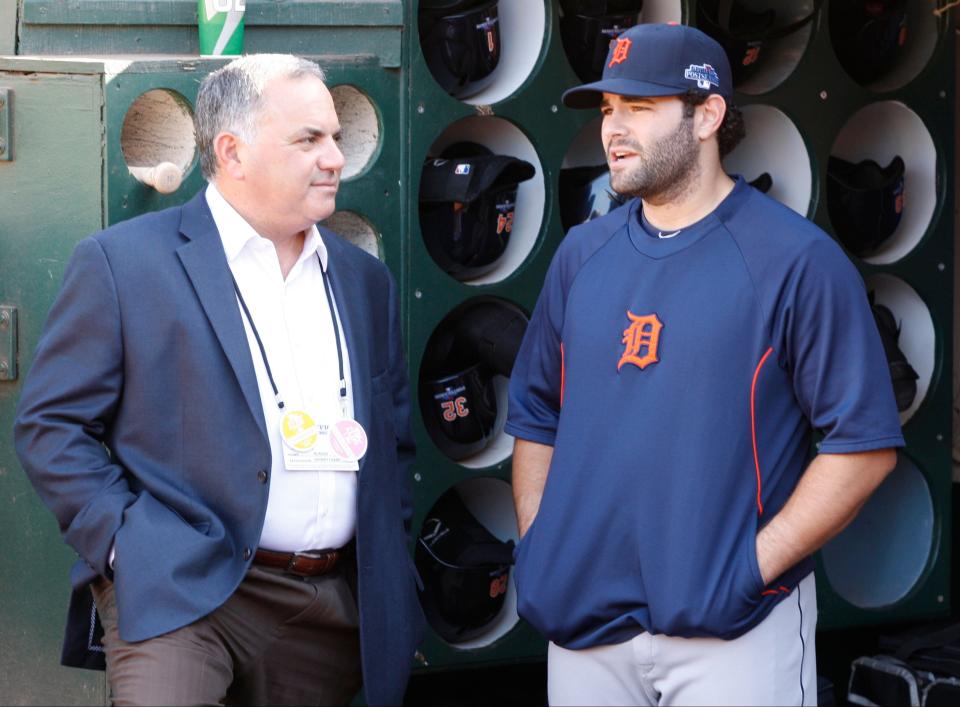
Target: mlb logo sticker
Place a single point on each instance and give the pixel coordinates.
(462, 168)
(704, 75)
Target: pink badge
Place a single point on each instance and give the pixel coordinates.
(348, 440)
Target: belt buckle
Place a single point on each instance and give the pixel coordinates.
(323, 555)
(292, 565)
(290, 569)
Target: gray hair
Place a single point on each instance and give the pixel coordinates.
(229, 99)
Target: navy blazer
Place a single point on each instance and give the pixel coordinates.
(141, 424)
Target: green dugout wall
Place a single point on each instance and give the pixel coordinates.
(75, 125)
(800, 107)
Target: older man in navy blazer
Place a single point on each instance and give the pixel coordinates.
(218, 416)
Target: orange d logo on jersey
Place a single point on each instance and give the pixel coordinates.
(620, 51)
(641, 339)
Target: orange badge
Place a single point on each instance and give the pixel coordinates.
(620, 52)
(643, 335)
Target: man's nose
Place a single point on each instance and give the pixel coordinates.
(611, 127)
(332, 158)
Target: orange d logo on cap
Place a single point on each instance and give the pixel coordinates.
(620, 51)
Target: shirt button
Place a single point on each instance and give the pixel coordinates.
(262, 476)
(247, 553)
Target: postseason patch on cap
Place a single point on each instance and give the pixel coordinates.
(703, 74)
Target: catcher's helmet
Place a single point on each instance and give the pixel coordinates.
(461, 43)
(865, 202)
(465, 570)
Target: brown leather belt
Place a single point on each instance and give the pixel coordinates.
(310, 563)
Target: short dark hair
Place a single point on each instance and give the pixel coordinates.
(732, 130)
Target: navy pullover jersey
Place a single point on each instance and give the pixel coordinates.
(677, 380)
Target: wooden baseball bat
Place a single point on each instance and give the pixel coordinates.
(165, 177)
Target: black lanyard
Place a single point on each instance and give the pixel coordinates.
(336, 336)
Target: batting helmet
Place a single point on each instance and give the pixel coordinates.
(458, 398)
(763, 182)
(868, 35)
(865, 202)
(467, 203)
(902, 375)
(460, 410)
(588, 26)
(743, 33)
(585, 194)
(461, 43)
(465, 570)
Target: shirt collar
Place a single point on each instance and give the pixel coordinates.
(236, 233)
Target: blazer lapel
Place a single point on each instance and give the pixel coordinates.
(351, 307)
(206, 265)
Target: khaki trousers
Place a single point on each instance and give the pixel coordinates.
(278, 640)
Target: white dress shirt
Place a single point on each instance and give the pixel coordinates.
(306, 509)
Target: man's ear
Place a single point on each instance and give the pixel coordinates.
(710, 116)
(229, 151)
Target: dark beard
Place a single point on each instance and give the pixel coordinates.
(665, 171)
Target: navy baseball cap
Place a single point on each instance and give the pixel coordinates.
(658, 60)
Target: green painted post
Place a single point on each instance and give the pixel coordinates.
(55, 114)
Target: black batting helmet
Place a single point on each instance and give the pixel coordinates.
(464, 567)
(467, 203)
(461, 43)
(865, 201)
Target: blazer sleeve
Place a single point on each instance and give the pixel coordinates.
(400, 387)
(69, 398)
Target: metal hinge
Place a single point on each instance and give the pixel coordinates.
(8, 343)
(6, 134)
